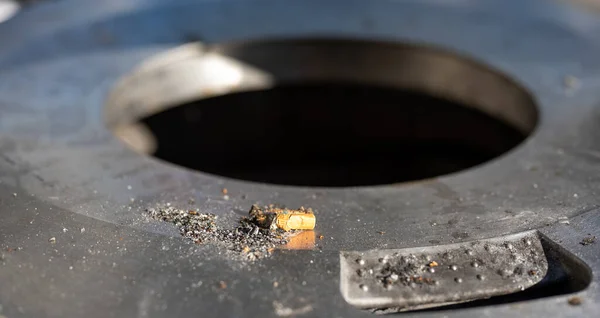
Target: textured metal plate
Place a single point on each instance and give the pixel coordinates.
(439, 275)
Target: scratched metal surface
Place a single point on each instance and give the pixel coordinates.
(419, 277)
(60, 168)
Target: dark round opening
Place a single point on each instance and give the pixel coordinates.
(328, 135)
(333, 130)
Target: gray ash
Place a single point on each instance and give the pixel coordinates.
(407, 271)
(588, 240)
(247, 241)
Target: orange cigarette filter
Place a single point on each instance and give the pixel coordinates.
(295, 220)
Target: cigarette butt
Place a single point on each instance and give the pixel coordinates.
(296, 221)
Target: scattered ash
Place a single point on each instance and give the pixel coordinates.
(406, 271)
(247, 241)
(588, 240)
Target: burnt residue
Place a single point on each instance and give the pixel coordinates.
(588, 240)
(405, 271)
(247, 241)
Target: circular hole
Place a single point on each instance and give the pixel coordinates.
(319, 112)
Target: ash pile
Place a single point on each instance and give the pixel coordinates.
(255, 236)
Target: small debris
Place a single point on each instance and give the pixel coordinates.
(224, 191)
(222, 285)
(575, 301)
(588, 240)
(381, 232)
(198, 284)
(65, 230)
(275, 284)
(563, 220)
(283, 311)
(82, 230)
(52, 240)
(321, 237)
(571, 82)
(433, 264)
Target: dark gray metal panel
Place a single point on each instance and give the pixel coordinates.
(67, 171)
